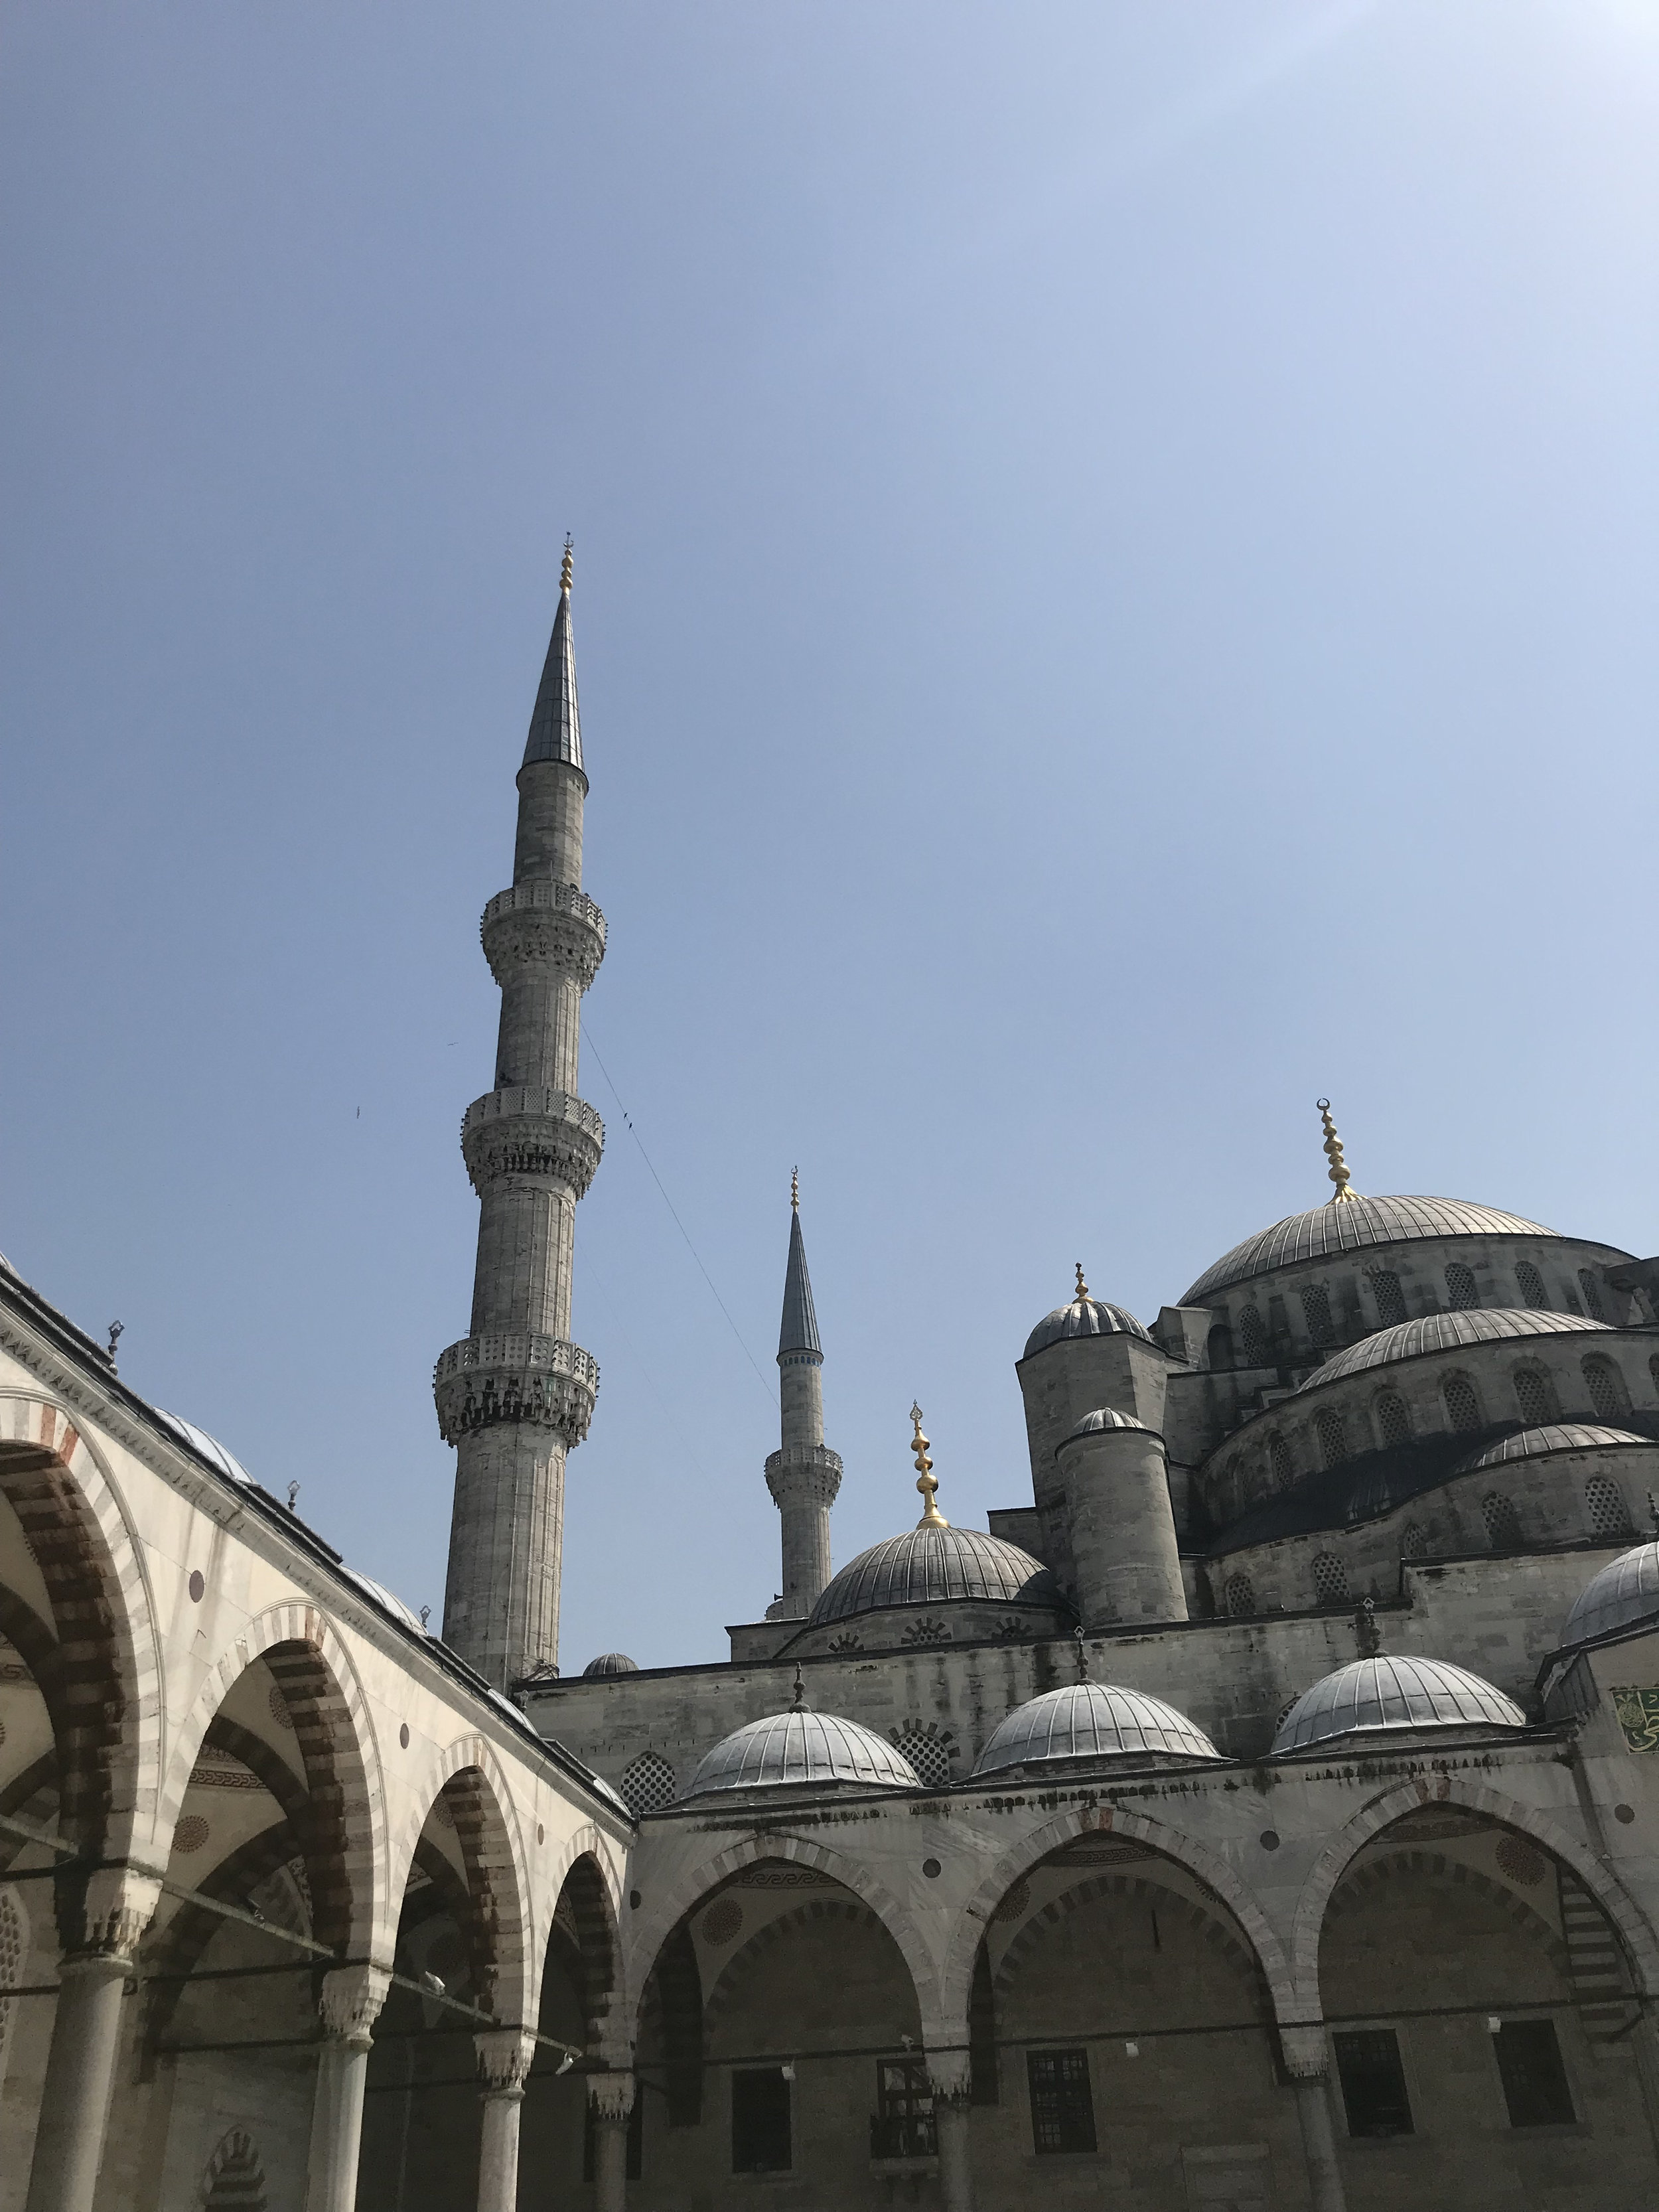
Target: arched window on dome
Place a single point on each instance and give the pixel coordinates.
(1606, 1386)
(1239, 1596)
(1220, 1349)
(1531, 1284)
(1332, 1431)
(1330, 1580)
(1592, 1290)
(1536, 1395)
(1394, 1423)
(1252, 1337)
(1278, 1455)
(1390, 1298)
(1461, 1292)
(1462, 1403)
(1414, 1541)
(1502, 1526)
(648, 1785)
(1609, 1516)
(1316, 1308)
(928, 1747)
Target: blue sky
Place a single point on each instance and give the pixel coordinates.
(1115, 571)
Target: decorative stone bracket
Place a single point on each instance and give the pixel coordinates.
(105, 1913)
(350, 1999)
(543, 925)
(1306, 2053)
(531, 1134)
(504, 2057)
(610, 2096)
(514, 1379)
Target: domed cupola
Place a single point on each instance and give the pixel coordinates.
(1624, 1595)
(1448, 1332)
(801, 1750)
(1088, 1722)
(1544, 1443)
(1386, 1698)
(1083, 1316)
(609, 1662)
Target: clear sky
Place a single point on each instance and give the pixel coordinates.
(1114, 594)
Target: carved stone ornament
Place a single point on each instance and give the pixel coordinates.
(610, 2096)
(804, 1473)
(511, 1380)
(950, 2075)
(542, 925)
(1306, 2057)
(531, 1134)
(106, 1916)
(504, 2057)
(350, 1999)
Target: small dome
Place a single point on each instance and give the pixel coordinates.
(206, 1447)
(384, 1598)
(802, 1747)
(1352, 1224)
(1558, 1436)
(1371, 1696)
(1410, 1339)
(609, 1663)
(1092, 1720)
(1105, 1417)
(1083, 1317)
(932, 1564)
(1624, 1592)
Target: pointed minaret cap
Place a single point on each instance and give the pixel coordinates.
(556, 726)
(799, 1332)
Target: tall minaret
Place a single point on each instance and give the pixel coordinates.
(805, 1474)
(516, 1394)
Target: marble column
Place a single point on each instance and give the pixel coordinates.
(504, 2057)
(611, 2100)
(950, 2077)
(1307, 2060)
(101, 1925)
(349, 2004)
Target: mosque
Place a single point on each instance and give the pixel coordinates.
(1261, 1812)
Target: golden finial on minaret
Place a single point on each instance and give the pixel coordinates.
(1339, 1175)
(794, 1189)
(570, 564)
(1082, 1290)
(926, 1481)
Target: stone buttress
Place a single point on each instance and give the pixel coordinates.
(803, 1474)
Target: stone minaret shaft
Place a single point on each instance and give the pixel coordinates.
(804, 1475)
(516, 1394)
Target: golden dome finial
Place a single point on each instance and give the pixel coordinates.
(1339, 1175)
(926, 1481)
(1082, 1290)
(570, 564)
(794, 1190)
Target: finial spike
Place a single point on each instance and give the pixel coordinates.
(926, 1481)
(1333, 1150)
(1082, 1291)
(794, 1190)
(569, 566)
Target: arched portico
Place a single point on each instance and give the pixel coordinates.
(477, 1797)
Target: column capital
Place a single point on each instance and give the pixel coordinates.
(103, 1915)
(504, 2057)
(949, 2077)
(610, 2096)
(350, 1999)
(1307, 2055)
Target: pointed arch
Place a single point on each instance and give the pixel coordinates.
(233, 2175)
(1086, 1890)
(584, 1907)
(467, 1775)
(748, 1955)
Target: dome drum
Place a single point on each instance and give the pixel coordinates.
(1119, 1524)
(936, 1564)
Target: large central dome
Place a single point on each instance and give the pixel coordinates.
(931, 1564)
(1352, 1225)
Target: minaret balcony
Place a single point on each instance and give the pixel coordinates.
(543, 925)
(532, 1134)
(514, 1378)
(803, 1474)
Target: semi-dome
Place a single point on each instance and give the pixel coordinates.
(1353, 1224)
(1625, 1593)
(609, 1663)
(1375, 1696)
(797, 1749)
(1084, 1316)
(1446, 1332)
(1102, 1418)
(1553, 1436)
(930, 1565)
(1092, 1720)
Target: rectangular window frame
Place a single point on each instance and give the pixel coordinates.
(1353, 2062)
(1513, 2067)
(745, 2091)
(1060, 2091)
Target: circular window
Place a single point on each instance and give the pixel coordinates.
(403, 1735)
(722, 1921)
(931, 1868)
(633, 1900)
(279, 1711)
(198, 1586)
(1014, 1904)
(1624, 1813)
(190, 1833)
(1269, 1839)
(1517, 1859)
(541, 1833)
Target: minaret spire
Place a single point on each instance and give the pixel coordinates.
(803, 1475)
(516, 1394)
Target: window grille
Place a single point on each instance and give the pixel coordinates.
(1394, 1423)
(761, 2135)
(1463, 1407)
(648, 1785)
(1608, 1514)
(1373, 2082)
(1333, 1437)
(1502, 1525)
(1239, 1596)
(1279, 1452)
(1461, 1292)
(902, 2125)
(1062, 2109)
(1592, 1290)
(1330, 1579)
(1316, 1306)
(1534, 1396)
(12, 1947)
(1533, 1292)
(928, 1751)
(1390, 1298)
(1252, 1337)
(1606, 1393)
(1535, 2081)
(1413, 1541)
(1653, 1369)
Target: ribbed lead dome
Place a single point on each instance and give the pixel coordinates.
(1553, 1436)
(1083, 1317)
(1371, 1695)
(801, 1748)
(1092, 1720)
(609, 1662)
(932, 1564)
(1409, 1339)
(1626, 1591)
(1352, 1224)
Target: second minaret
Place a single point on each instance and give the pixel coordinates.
(805, 1474)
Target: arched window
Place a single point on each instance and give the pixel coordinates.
(1279, 1453)
(1239, 1596)
(1317, 1307)
(648, 1785)
(1253, 1337)
(927, 1748)
(1330, 1579)
(1534, 1396)
(1332, 1432)
(1461, 1292)
(1608, 1514)
(1533, 1292)
(1390, 1298)
(1463, 1405)
(1413, 1543)
(1606, 1388)
(234, 2175)
(1394, 1423)
(1502, 1526)
(1592, 1290)
(1220, 1348)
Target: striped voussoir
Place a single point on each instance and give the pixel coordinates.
(1364, 1883)
(1597, 1966)
(497, 1925)
(586, 1907)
